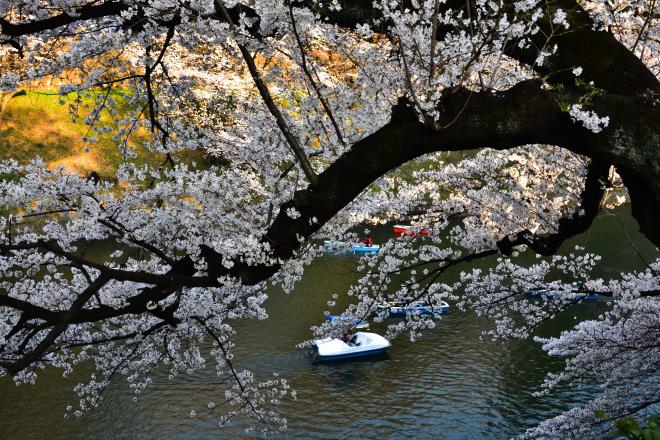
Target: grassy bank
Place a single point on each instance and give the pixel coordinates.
(34, 123)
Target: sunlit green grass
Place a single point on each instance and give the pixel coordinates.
(35, 123)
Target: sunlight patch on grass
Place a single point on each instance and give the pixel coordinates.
(34, 123)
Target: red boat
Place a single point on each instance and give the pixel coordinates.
(401, 230)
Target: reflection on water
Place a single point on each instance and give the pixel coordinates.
(449, 384)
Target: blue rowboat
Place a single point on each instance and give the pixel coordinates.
(415, 307)
(356, 322)
(363, 249)
(362, 344)
(338, 248)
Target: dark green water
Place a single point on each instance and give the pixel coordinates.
(450, 384)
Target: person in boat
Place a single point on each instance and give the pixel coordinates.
(368, 241)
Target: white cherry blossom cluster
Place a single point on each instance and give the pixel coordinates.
(589, 119)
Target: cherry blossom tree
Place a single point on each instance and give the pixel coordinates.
(518, 116)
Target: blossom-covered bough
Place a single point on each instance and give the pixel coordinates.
(516, 114)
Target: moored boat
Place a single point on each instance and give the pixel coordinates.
(360, 345)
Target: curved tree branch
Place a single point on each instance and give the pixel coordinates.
(524, 114)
